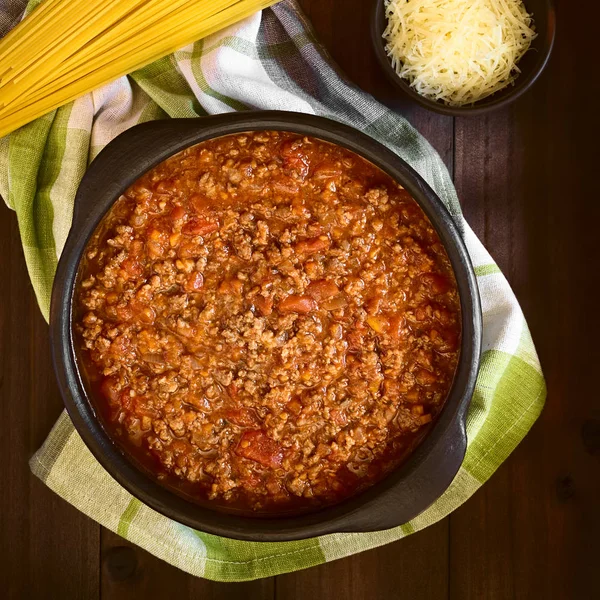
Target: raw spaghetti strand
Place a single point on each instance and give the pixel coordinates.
(66, 48)
(130, 61)
(23, 77)
(93, 55)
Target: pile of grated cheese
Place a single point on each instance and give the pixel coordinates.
(457, 51)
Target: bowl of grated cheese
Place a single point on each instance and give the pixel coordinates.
(463, 57)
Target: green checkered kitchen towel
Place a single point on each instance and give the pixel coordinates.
(268, 61)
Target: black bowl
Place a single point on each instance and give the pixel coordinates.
(404, 493)
(532, 64)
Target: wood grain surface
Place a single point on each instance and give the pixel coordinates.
(527, 179)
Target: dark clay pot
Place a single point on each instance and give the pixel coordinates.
(406, 492)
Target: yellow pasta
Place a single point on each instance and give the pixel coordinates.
(66, 48)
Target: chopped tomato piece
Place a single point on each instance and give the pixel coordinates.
(199, 202)
(132, 267)
(199, 227)
(231, 286)
(297, 163)
(194, 282)
(115, 396)
(397, 324)
(313, 245)
(290, 148)
(264, 305)
(335, 303)
(295, 158)
(322, 289)
(243, 416)
(255, 445)
(177, 213)
(298, 304)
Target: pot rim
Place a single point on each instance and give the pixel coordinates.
(402, 494)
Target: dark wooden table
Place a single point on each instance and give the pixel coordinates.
(527, 177)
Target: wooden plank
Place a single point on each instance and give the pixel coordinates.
(415, 567)
(526, 176)
(129, 571)
(45, 543)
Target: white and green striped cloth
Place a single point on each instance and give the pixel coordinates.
(269, 61)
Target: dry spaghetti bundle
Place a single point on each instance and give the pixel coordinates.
(66, 48)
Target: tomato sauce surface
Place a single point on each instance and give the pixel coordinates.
(270, 322)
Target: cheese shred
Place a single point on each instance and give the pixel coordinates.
(457, 51)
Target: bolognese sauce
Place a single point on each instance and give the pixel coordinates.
(269, 320)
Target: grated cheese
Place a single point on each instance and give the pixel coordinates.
(457, 51)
